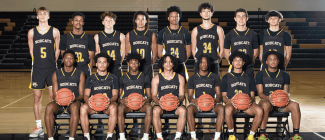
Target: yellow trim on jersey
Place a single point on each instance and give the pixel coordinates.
(279, 32)
(145, 32)
(232, 74)
(45, 32)
(71, 74)
(268, 31)
(104, 34)
(81, 35)
(203, 92)
(105, 77)
(114, 33)
(242, 74)
(269, 74)
(139, 75)
(236, 31)
(172, 78)
(62, 72)
(209, 74)
(198, 74)
(278, 74)
(177, 31)
(210, 27)
(247, 31)
(128, 76)
(137, 33)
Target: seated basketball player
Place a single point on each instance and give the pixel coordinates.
(236, 82)
(74, 79)
(105, 83)
(269, 80)
(168, 82)
(134, 82)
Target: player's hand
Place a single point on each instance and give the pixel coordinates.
(57, 102)
(178, 102)
(144, 101)
(124, 101)
(108, 102)
(160, 104)
(73, 99)
(271, 100)
(89, 102)
(194, 101)
(232, 102)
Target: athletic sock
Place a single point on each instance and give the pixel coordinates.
(193, 135)
(231, 131)
(109, 135)
(251, 133)
(51, 138)
(71, 138)
(178, 135)
(217, 135)
(296, 131)
(159, 135)
(38, 123)
(87, 135)
(122, 136)
(262, 131)
(145, 135)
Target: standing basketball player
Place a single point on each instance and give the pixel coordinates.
(135, 82)
(236, 82)
(111, 42)
(67, 77)
(81, 43)
(275, 39)
(242, 39)
(43, 42)
(204, 82)
(269, 80)
(205, 38)
(105, 83)
(141, 40)
(175, 40)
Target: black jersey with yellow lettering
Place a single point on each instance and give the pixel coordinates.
(69, 80)
(204, 85)
(133, 86)
(102, 86)
(273, 43)
(168, 86)
(272, 84)
(80, 47)
(242, 43)
(141, 44)
(111, 45)
(207, 42)
(43, 49)
(238, 84)
(174, 43)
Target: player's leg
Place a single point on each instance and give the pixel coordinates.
(74, 118)
(229, 112)
(156, 122)
(191, 109)
(84, 120)
(257, 112)
(147, 120)
(48, 80)
(51, 109)
(220, 109)
(112, 112)
(181, 121)
(294, 108)
(266, 105)
(122, 109)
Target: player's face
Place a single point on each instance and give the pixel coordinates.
(204, 64)
(241, 18)
(206, 14)
(173, 18)
(68, 60)
(78, 22)
(272, 61)
(274, 21)
(102, 64)
(134, 65)
(238, 63)
(108, 22)
(43, 16)
(141, 21)
(168, 64)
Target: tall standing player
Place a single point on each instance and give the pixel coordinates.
(111, 42)
(175, 40)
(43, 42)
(208, 38)
(81, 43)
(67, 77)
(168, 82)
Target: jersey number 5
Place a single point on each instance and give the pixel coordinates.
(112, 54)
(79, 56)
(43, 52)
(207, 47)
(174, 52)
(141, 52)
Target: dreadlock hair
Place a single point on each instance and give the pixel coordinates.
(133, 55)
(103, 54)
(278, 55)
(199, 60)
(173, 9)
(74, 57)
(145, 14)
(241, 55)
(162, 61)
(273, 13)
(206, 5)
(78, 14)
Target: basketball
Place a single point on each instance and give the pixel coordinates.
(99, 102)
(168, 102)
(135, 101)
(205, 102)
(280, 98)
(64, 96)
(242, 101)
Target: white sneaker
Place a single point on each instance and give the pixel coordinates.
(37, 132)
(144, 139)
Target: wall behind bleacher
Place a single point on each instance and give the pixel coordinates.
(160, 5)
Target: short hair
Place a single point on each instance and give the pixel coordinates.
(241, 55)
(273, 13)
(205, 5)
(162, 61)
(241, 10)
(278, 55)
(199, 60)
(133, 55)
(173, 9)
(74, 57)
(42, 9)
(103, 54)
(108, 14)
(78, 14)
(140, 13)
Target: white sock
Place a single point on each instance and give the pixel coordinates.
(38, 123)
(122, 136)
(51, 138)
(193, 135)
(71, 138)
(159, 135)
(231, 130)
(109, 135)
(87, 135)
(217, 135)
(251, 133)
(178, 135)
(145, 135)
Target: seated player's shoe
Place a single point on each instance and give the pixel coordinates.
(246, 129)
(279, 130)
(145, 139)
(67, 134)
(109, 138)
(296, 137)
(250, 137)
(135, 130)
(198, 130)
(177, 139)
(121, 139)
(160, 139)
(99, 130)
(37, 132)
(262, 137)
(232, 137)
(85, 138)
(165, 130)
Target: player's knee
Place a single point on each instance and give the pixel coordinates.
(190, 109)
(295, 105)
(220, 110)
(182, 110)
(259, 111)
(156, 111)
(83, 109)
(48, 109)
(121, 109)
(149, 109)
(228, 110)
(266, 106)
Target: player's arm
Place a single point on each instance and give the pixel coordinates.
(255, 52)
(221, 36)
(188, 51)
(225, 98)
(86, 95)
(148, 92)
(96, 44)
(181, 89)
(127, 44)
(56, 35)
(227, 53)
(286, 88)
(55, 87)
(160, 43)
(261, 53)
(91, 57)
(260, 91)
(193, 41)
(30, 42)
(122, 39)
(190, 95)
(115, 90)
(154, 48)
(154, 89)
(81, 87)
(160, 49)
(218, 94)
(252, 96)
(288, 55)
(114, 95)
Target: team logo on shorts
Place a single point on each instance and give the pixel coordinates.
(35, 84)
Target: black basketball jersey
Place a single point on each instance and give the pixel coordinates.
(272, 84)
(238, 84)
(273, 43)
(204, 85)
(102, 86)
(207, 42)
(43, 49)
(141, 44)
(243, 43)
(174, 43)
(69, 81)
(133, 86)
(111, 45)
(80, 47)
(168, 86)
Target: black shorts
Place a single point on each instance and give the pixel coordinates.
(85, 69)
(279, 109)
(182, 70)
(147, 70)
(214, 68)
(64, 110)
(116, 70)
(41, 76)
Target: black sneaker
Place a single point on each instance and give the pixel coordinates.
(109, 138)
(85, 138)
(99, 130)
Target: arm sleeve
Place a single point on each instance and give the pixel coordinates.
(91, 43)
(187, 37)
(286, 78)
(261, 37)
(287, 39)
(217, 81)
(115, 82)
(259, 78)
(147, 83)
(63, 42)
(121, 82)
(224, 86)
(252, 85)
(88, 83)
(227, 41)
(255, 41)
(160, 37)
(190, 84)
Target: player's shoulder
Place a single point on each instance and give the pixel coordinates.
(214, 75)
(260, 73)
(55, 29)
(225, 76)
(155, 78)
(285, 73)
(261, 32)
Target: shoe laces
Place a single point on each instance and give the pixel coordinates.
(262, 137)
(35, 129)
(296, 137)
(250, 137)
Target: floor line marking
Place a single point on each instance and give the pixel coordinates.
(17, 100)
(313, 131)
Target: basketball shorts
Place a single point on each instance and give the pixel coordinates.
(199, 110)
(116, 70)
(182, 70)
(147, 70)
(85, 69)
(40, 76)
(214, 67)
(66, 109)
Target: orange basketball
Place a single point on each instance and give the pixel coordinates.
(64, 96)
(280, 98)
(205, 102)
(99, 102)
(135, 101)
(168, 102)
(242, 101)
